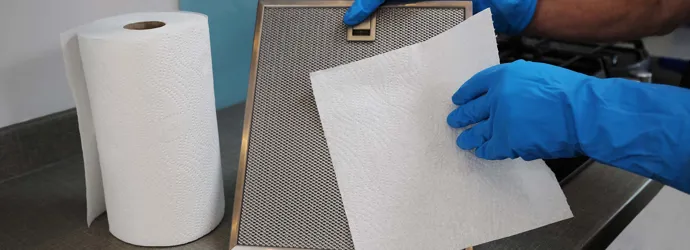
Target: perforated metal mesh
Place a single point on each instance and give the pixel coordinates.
(291, 197)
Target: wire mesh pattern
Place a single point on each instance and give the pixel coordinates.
(291, 198)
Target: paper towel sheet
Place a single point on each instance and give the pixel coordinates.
(148, 127)
(404, 182)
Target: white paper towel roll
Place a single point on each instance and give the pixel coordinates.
(143, 87)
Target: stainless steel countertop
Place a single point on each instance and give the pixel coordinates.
(595, 195)
(47, 208)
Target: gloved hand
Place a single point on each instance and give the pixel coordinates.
(510, 16)
(533, 110)
(521, 109)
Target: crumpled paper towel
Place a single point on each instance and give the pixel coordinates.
(148, 127)
(404, 182)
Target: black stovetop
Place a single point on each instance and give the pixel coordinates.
(624, 59)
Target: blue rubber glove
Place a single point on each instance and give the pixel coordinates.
(539, 111)
(510, 16)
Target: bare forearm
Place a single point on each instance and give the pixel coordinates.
(607, 20)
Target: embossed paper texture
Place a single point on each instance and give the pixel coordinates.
(148, 126)
(404, 182)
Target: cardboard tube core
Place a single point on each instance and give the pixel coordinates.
(146, 25)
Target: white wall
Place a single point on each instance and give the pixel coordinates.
(32, 78)
(663, 224)
(674, 45)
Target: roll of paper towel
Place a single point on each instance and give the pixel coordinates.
(143, 87)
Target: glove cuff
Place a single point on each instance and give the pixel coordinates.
(521, 13)
(510, 16)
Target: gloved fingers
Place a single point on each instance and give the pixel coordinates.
(476, 86)
(529, 157)
(474, 136)
(360, 10)
(494, 150)
(479, 5)
(470, 113)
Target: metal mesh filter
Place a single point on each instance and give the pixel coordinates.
(291, 197)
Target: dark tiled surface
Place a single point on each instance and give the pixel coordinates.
(47, 209)
(30, 145)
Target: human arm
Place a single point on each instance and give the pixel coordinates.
(538, 111)
(610, 20)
